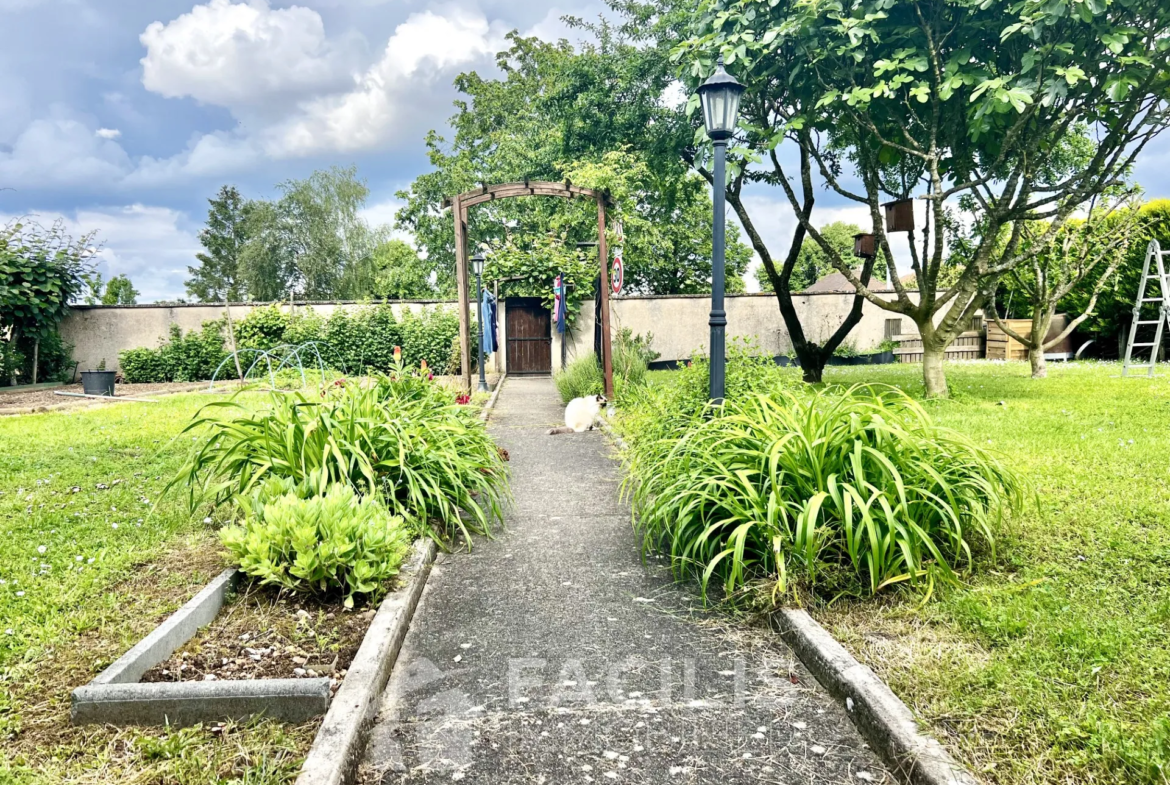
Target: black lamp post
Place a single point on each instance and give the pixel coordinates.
(477, 266)
(720, 97)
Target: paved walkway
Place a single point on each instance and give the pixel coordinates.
(552, 654)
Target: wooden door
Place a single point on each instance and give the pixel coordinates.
(529, 337)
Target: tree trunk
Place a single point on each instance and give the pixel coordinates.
(812, 362)
(933, 354)
(36, 358)
(1039, 366)
(227, 309)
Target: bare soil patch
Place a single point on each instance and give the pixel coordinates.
(264, 634)
(46, 400)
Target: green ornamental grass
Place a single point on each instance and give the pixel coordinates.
(852, 492)
(402, 439)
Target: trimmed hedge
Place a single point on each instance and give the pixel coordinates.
(353, 341)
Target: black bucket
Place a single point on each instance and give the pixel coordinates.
(98, 382)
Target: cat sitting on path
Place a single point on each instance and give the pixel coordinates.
(581, 414)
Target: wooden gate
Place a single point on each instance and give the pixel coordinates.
(529, 335)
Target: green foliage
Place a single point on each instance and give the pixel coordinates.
(632, 356)
(318, 543)
(400, 273)
(400, 438)
(192, 357)
(263, 328)
(1114, 312)
(813, 263)
(144, 366)
(991, 102)
(846, 492)
(427, 337)
(311, 243)
(539, 122)
(217, 276)
(119, 290)
(580, 378)
(531, 268)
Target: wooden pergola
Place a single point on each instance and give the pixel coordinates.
(489, 193)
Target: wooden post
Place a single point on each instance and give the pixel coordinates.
(36, 358)
(461, 284)
(606, 342)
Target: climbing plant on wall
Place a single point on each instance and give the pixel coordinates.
(528, 269)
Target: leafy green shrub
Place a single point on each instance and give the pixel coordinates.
(427, 336)
(334, 541)
(581, 377)
(852, 492)
(143, 366)
(193, 357)
(263, 328)
(401, 438)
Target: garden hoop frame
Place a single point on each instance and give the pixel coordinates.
(489, 193)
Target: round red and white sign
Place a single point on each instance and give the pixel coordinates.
(618, 277)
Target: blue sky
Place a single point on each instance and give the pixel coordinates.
(124, 116)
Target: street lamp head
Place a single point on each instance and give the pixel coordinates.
(477, 264)
(720, 98)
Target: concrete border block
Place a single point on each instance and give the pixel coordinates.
(337, 750)
(179, 628)
(883, 719)
(491, 404)
(188, 703)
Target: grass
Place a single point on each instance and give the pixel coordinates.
(1049, 665)
(90, 560)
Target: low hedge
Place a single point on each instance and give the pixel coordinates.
(352, 341)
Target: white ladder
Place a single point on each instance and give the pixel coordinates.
(1154, 254)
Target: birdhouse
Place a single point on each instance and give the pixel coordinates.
(900, 215)
(863, 246)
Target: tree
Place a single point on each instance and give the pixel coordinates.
(1110, 320)
(42, 270)
(327, 244)
(812, 263)
(120, 291)
(217, 276)
(958, 98)
(400, 273)
(541, 122)
(1084, 255)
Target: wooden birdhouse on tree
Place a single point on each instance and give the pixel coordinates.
(864, 246)
(900, 215)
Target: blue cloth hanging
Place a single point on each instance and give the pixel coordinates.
(487, 313)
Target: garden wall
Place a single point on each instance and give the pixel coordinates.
(100, 332)
(678, 323)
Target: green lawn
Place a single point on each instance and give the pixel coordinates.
(89, 564)
(1051, 665)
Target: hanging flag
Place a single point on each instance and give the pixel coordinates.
(559, 304)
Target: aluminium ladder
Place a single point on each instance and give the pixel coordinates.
(1154, 254)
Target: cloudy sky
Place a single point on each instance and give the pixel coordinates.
(124, 116)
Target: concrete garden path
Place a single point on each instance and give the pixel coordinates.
(552, 654)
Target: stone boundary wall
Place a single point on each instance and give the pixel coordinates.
(678, 323)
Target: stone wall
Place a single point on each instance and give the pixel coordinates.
(679, 324)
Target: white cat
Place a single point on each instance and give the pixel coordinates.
(581, 414)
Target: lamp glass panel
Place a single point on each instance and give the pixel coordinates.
(715, 101)
(732, 109)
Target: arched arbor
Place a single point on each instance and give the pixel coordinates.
(489, 193)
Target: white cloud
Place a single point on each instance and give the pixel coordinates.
(108, 133)
(239, 55)
(61, 150)
(397, 92)
(151, 245)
